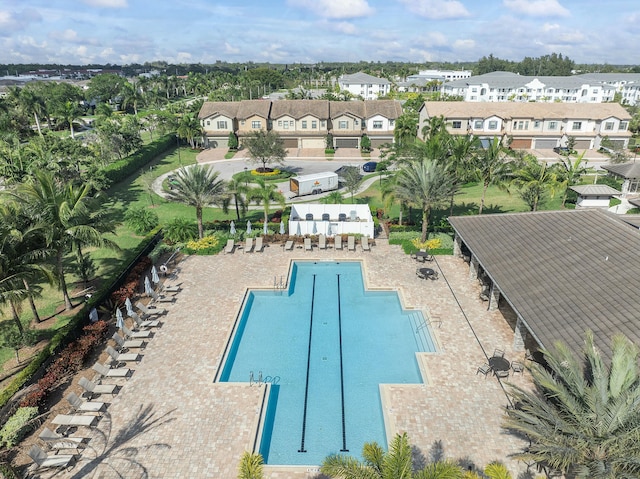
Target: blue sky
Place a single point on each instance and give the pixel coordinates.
(287, 31)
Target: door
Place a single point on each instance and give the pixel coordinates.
(582, 145)
(313, 143)
(546, 144)
(521, 144)
(346, 142)
(291, 143)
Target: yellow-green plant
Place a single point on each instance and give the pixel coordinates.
(274, 172)
(434, 243)
(205, 243)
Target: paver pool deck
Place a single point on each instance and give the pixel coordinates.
(171, 420)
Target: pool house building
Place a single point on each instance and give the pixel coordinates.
(330, 220)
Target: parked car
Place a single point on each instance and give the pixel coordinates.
(563, 150)
(369, 166)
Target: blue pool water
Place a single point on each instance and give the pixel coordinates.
(325, 345)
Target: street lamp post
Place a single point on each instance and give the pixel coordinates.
(246, 180)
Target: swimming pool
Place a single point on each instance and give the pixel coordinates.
(325, 344)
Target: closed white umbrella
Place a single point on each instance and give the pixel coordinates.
(248, 226)
(154, 275)
(315, 229)
(329, 229)
(265, 230)
(147, 286)
(281, 227)
(298, 232)
(119, 319)
(232, 230)
(129, 306)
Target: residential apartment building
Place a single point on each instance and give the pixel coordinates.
(511, 87)
(534, 125)
(302, 123)
(363, 85)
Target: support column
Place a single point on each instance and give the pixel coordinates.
(520, 335)
(494, 297)
(457, 250)
(473, 268)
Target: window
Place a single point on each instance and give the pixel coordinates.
(291, 123)
(242, 122)
(456, 124)
(323, 123)
(377, 125)
(553, 125)
(391, 123)
(208, 123)
(286, 125)
(477, 125)
(314, 124)
(536, 124)
(493, 125)
(608, 126)
(342, 125)
(279, 122)
(222, 125)
(576, 125)
(304, 124)
(521, 125)
(256, 124)
(623, 126)
(355, 122)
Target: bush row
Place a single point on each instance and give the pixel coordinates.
(18, 426)
(132, 283)
(121, 169)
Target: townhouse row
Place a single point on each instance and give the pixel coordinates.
(538, 126)
(301, 123)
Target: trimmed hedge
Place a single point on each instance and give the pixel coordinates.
(121, 169)
(17, 426)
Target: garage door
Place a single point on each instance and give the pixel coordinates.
(617, 143)
(291, 143)
(347, 142)
(218, 142)
(521, 144)
(546, 144)
(378, 142)
(313, 143)
(582, 144)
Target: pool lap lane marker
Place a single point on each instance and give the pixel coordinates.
(344, 433)
(306, 387)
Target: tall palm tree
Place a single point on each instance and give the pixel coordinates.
(460, 161)
(492, 168)
(534, 179)
(406, 129)
(68, 216)
(570, 171)
(189, 129)
(266, 193)
(32, 104)
(70, 111)
(425, 184)
(583, 416)
(197, 186)
(238, 190)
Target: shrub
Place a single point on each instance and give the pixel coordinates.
(141, 220)
(121, 169)
(180, 230)
(233, 141)
(204, 246)
(274, 172)
(633, 211)
(365, 144)
(329, 151)
(430, 244)
(130, 286)
(614, 202)
(17, 426)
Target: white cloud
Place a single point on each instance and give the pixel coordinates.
(335, 8)
(343, 27)
(183, 57)
(466, 44)
(16, 21)
(436, 9)
(537, 8)
(66, 36)
(228, 48)
(107, 3)
(550, 27)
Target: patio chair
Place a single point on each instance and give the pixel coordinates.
(484, 370)
(230, 246)
(517, 367)
(44, 460)
(259, 246)
(420, 274)
(149, 310)
(176, 288)
(501, 374)
(307, 244)
(56, 441)
(364, 242)
(135, 334)
(106, 372)
(337, 242)
(161, 298)
(144, 324)
(87, 420)
(351, 243)
(84, 406)
(322, 242)
(248, 245)
(288, 246)
(122, 357)
(92, 389)
(122, 345)
(498, 353)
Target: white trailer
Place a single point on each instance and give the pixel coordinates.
(313, 184)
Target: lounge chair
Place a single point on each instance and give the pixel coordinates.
(351, 243)
(135, 334)
(122, 357)
(337, 242)
(44, 460)
(88, 420)
(259, 245)
(106, 372)
(176, 288)
(364, 242)
(56, 441)
(288, 246)
(161, 298)
(149, 310)
(122, 345)
(307, 244)
(94, 389)
(144, 324)
(248, 245)
(322, 242)
(84, 406)
(230, 246)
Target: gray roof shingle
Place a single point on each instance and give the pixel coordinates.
(629, 170)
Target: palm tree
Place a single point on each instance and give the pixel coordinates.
(333, 198)
(265, 193)
(70, 111)
(197, 186)
(570, 173)
(582, 416)
(251, 466)
(434, 127)
(189, 129)
(130, 96)
(238, 190)
(32, 104)
(492, 168)
(534, 179)
(460, 161)
(426, 184)
(406, 129)
(67, 215)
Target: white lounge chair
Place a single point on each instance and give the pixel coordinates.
(84, 406)
(288, 246)
(259, 246)
(122, 357)
(322, 242)
(149, 310)
(44, 460)
(94, 389)
(307, 244)
(176, 288)
(248, 245)
(351, 243)
(142, 323)
(337, 242)
(106, 372)
(364, 242)
(135, 334)
(161, 298)
(88, 420)
(57, 442)
(230, 246)
(122, 345)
